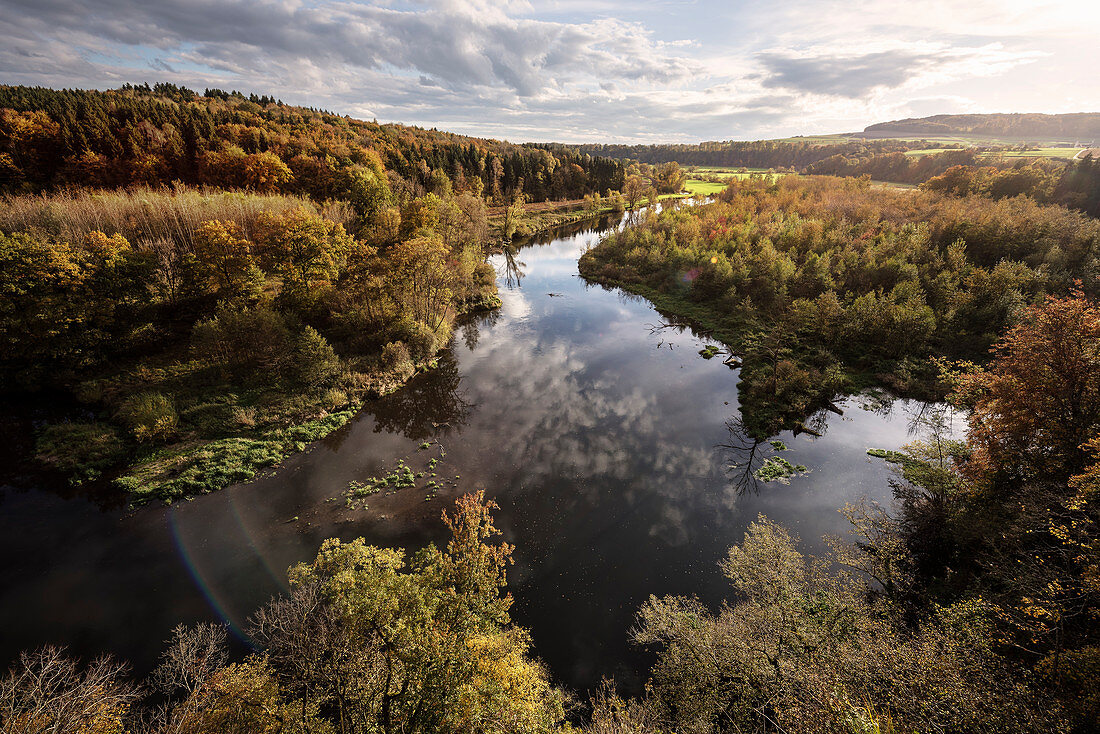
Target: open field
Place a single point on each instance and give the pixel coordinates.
(1036, 153)
(928, 151)
(695, 187)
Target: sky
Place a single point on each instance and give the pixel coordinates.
(582, 70)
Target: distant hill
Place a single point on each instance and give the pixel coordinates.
(1069, 127)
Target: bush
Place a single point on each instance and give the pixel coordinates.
(420, 339)
(149, 416)
(245, 344)
(315, 364)
(395, 357)
(334, 399)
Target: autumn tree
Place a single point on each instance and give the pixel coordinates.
(227, 259)
(308, 251)
(1039, 402)
(420, 646)
(48, 692)
(634, 191)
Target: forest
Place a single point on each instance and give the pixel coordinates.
(142, 135)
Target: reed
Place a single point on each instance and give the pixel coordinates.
(146, 216)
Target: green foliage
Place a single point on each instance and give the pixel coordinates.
(803, 649)
(149, 416)
(313, 363)
(178, 473)
(778, 469)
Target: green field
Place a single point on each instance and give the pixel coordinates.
(726, 169)
(928, 151)
(1037, 153)
(695, 187)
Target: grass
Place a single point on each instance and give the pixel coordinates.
(206, 467)
(146, 216)
(695, 187)
(893, 185)
(709, 351)
(1036, 153)
(928, 151)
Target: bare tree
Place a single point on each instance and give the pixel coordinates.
(192, 655)
(48, 692)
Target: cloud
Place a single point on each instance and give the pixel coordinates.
(844, 76)
(459, 45)
(568, 70)
(859, 75)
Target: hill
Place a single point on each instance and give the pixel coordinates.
(1021, 126)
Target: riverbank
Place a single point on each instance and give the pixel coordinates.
(191, 468)
(548, 215)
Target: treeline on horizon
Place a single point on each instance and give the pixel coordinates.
(1074, 183)
(791, 153)
(142, 135)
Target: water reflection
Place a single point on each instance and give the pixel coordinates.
(427, 404)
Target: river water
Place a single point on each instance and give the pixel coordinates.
(609, 443)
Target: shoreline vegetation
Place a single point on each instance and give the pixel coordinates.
(825, 285)
(214, 333)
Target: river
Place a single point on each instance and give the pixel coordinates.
(607, 440)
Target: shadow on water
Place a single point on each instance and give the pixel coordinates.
(612, 447)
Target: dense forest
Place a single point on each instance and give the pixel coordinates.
(1071, 127)
(816, 281)
(791, 153)
(141, 135)
(972, 607)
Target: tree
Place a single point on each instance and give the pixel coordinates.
(634, 190)
(802, 649)
(307, 250)
(416, 647)
(1039, 403)
(226, 258)
(48, 692)
(422, 279)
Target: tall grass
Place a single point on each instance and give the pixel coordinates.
(145, 216)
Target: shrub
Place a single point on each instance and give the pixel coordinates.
(149, 416)
(245, 344)
(333, 399)
(395, 357)
(419, 338)
(244, 417)
(315, 364)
